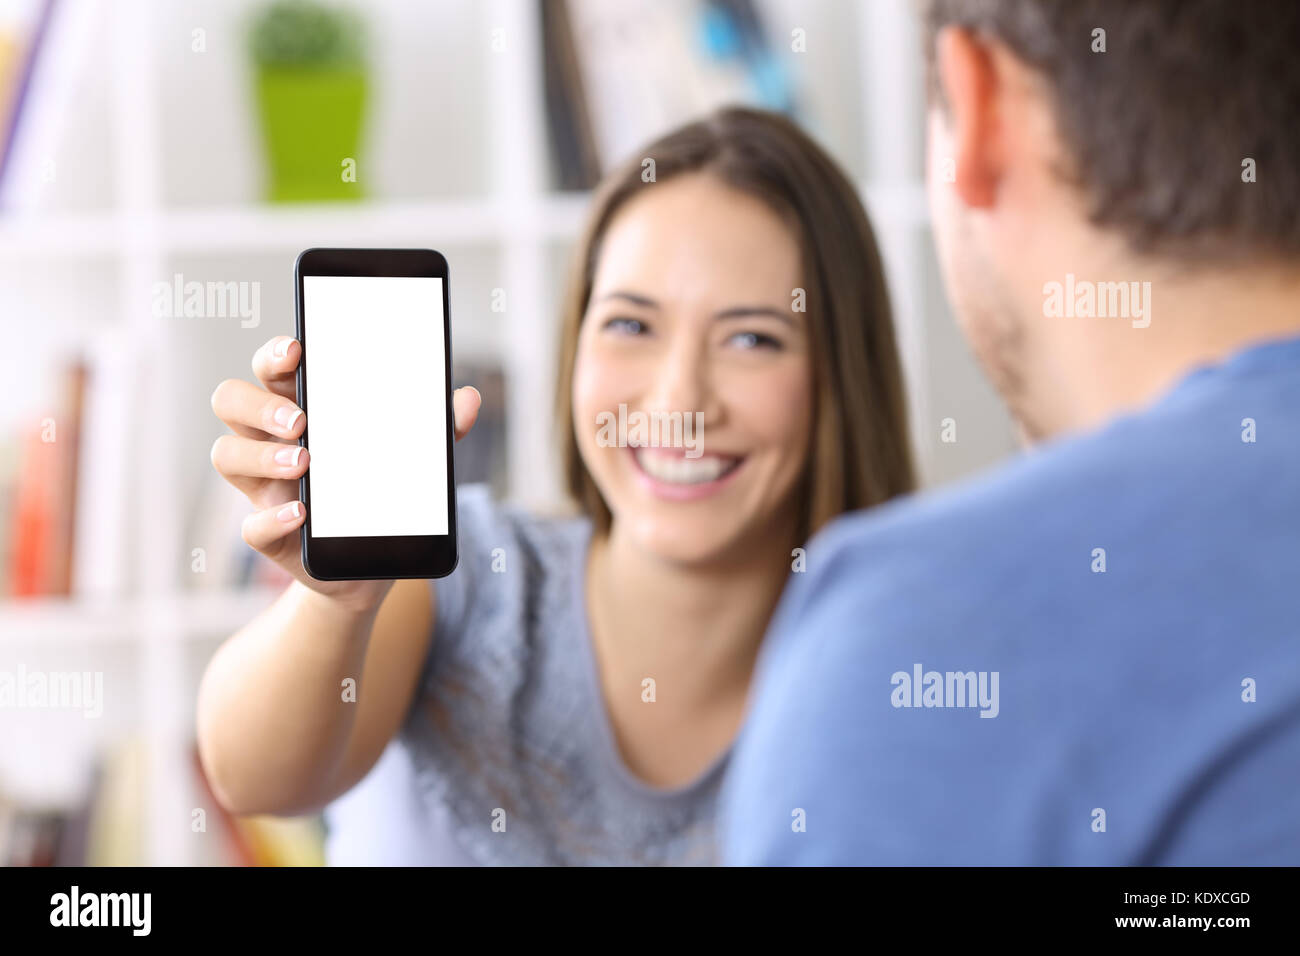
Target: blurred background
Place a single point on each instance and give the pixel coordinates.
(147, 146)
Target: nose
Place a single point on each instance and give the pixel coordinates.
(681, 379)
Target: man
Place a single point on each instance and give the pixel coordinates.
(1091, 655)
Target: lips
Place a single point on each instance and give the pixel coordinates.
(679, 470)
(666, 473)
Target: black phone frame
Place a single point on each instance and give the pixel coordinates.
(380, 557)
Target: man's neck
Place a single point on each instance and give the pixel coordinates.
(1092, 368)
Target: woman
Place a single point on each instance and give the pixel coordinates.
(570, 693)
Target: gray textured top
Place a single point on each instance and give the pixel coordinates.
(509, 723)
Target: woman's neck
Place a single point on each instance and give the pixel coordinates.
(694, 628)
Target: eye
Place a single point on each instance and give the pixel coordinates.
(624, 326)
(755, 340)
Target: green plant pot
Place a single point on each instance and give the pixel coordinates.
(311, 124)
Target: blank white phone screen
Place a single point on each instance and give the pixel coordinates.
(376, 405)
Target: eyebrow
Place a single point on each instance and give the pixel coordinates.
(735, 312)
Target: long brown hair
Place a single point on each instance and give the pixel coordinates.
(860, 452)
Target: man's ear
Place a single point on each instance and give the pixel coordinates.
(968, 81)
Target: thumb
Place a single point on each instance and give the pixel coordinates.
(465, 403)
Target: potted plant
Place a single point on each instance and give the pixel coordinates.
(310, 82)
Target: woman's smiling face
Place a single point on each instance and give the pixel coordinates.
(690, 320)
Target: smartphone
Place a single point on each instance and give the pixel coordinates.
(375, 384)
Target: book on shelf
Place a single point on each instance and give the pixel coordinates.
(100, 825)
(54, 40)
(29, 837)
(42, 515)
(31, 519)
(64, 483)
(573, 146)
(22, 28)
(73, 847)
(616, 75)
(117, 803)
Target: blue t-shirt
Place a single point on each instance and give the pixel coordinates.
(1090, 656)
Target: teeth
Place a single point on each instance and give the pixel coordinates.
(683, 471)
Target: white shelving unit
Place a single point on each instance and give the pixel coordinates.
(160, 622)
(222, 229)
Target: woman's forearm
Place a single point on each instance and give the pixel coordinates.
(273, 720)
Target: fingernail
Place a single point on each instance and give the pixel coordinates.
(288, 512)
(282, 347)
(286, 415)
(289, 455)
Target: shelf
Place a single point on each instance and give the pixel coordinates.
(260, 227)
(63, 236)
(265, 228)
(447, 222)
(203, 615)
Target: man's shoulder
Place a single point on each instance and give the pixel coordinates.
(1135, 542)
(1118, 484)
(993, 517)
(1221, 431)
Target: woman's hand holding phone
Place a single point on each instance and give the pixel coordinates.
(262, 458)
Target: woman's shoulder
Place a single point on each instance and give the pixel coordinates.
(488, 531)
